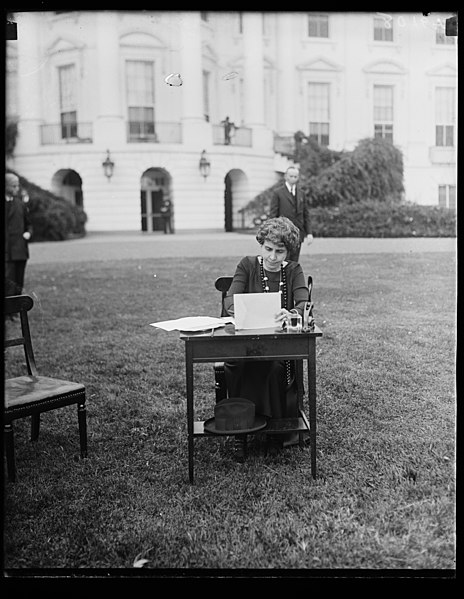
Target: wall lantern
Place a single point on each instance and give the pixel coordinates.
(108, 166)
(205, 165)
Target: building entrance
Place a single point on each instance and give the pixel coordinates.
(155, 191)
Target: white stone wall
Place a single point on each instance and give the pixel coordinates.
(100, 43)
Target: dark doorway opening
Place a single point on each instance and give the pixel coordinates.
(228, 224)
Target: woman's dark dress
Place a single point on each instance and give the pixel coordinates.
(265, 383)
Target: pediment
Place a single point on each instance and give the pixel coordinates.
(141, 39)
(209, 53)
(319, 64)
(237, 63)
(444, 70)
(386, 67)
(63, 45)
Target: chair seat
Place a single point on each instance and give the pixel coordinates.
(24, 390)
(30, 395)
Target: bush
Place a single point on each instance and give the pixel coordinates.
(370, 218)
(373, 170)
(312, 157)
(357, 194)
(382, 163)
(11, 135)
(53, 218)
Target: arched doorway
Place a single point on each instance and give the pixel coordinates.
(228, 200)
(235, 198)
(155, 191)
(67, 184)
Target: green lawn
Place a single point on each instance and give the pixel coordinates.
(385, 493)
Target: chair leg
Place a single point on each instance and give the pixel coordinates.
(35, 426)
(220, 381)
(82, 418)
(240, 448)
(9, 447)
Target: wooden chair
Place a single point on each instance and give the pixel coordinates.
(32, 394)
(299, 424)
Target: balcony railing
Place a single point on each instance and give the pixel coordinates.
(170, 133)
(240, 136)
(76, 133)
(442, 154)
(284, 145)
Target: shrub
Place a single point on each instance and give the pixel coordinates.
(369, 218)
(257, 210)
(312, 157)
(382, 163)
(373, 170)
(53, 218)
(357, 194)
(11, 135)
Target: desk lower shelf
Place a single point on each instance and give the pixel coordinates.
(275, 425)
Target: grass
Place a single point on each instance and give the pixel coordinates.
(384, 498)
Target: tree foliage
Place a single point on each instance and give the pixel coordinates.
(313, 158)
(370, 218)
(53, 218)
(11, 134)
(372, 171)
(357, 193)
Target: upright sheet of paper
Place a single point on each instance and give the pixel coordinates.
(256, 310)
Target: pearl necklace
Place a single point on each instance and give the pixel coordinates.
(282, 282)
(283, 301)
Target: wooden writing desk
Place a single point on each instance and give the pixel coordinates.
(227, 344)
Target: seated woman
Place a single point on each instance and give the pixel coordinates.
(270, 385)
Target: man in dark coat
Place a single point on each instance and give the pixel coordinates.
(17, 234)
(166, 213)
(289, 200)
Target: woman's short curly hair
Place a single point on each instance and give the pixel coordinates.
(279, 230)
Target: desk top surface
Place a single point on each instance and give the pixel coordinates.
(229, 331)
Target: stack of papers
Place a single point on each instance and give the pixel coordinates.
(193, 323)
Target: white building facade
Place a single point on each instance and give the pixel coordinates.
(90, 86)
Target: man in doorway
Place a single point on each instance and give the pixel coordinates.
(17, 234)
(166, 214)
(289, 200)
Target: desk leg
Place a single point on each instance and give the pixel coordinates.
(312, 402)
(189, 381)
(300, 394)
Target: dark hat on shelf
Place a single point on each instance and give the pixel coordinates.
(235, 415)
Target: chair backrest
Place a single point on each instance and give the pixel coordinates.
(20, 304)
(222, 284)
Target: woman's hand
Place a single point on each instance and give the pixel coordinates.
(281, 316)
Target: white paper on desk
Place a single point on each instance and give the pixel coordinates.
(256, 310)
(192, 323)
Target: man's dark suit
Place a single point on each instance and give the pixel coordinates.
(16, 247)
(295, 209)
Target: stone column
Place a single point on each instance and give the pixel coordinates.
(253, 69)
(254, 78)
(286, 83)
(109, 129)
(195, 130)
(29, 89)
